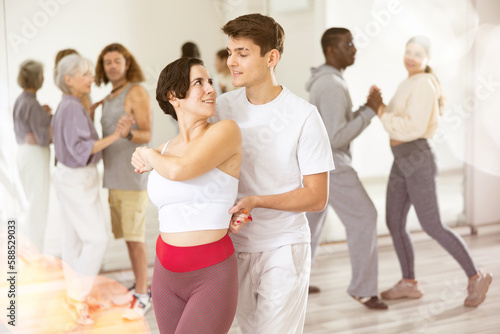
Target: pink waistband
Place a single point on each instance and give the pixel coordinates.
(184, 259)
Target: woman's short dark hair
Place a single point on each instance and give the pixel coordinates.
(174, 80)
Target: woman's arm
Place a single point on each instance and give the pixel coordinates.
(219, 143)
(120, 131)
(413, 122)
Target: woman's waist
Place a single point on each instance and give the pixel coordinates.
(193, 238)
(402, 149)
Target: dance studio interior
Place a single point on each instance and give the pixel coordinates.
(465, 36)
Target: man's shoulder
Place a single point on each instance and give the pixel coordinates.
(137, 90)
(295, 103)
(330, 80)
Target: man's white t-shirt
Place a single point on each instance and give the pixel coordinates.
(282, 140)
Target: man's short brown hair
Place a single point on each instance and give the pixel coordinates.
(264, 31)
(134, 72)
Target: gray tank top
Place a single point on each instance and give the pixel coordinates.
(118, 172)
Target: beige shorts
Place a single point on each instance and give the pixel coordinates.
(128, 214)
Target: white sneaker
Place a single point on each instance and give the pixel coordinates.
(137, 309)
(132, 290)
(477, 289)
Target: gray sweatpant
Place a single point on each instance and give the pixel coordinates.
(413, 182)
(357, 212)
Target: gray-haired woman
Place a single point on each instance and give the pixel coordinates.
(33, 159)
(78, 149)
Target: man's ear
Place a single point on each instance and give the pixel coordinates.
(331, 50)
(273, 58)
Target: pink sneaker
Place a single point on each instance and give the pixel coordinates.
(477, 289)
(403, 289)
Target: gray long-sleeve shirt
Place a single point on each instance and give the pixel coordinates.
(329, 93)
(30, 117)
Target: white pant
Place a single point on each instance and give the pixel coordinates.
(273, 288)
(84, 236)
(34, 172)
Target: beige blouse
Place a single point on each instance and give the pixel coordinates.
(414, 109)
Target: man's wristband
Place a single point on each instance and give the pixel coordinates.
(130, 135)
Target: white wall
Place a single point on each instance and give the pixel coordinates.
(12, 200)
(482, 110)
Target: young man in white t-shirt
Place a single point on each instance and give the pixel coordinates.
(284, 173)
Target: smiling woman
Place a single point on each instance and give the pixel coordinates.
(194, 183)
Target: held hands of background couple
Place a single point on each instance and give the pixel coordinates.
(124, 124)
(140, 160)
(47, 109)
(241, 213)
(374, 99)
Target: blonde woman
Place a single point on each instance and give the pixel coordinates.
(411, 119)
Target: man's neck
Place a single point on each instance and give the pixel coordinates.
(119, 83)
(264, 92)
(31, 90)
(335, 65)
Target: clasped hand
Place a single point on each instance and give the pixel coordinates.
(140, 160)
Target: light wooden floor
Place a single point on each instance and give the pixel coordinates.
(331, 311)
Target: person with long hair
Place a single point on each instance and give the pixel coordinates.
(128, 198)
(194, 183)
(411, 119)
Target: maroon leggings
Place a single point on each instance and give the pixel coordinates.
(197, 301)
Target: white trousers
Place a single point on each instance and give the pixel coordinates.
(34, 173)
(273, 288)
(84, 236)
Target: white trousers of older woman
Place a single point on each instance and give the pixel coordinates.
(84, 235)
(34, 173)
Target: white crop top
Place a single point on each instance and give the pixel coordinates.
(198, 204)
